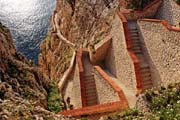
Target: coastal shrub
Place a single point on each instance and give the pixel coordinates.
(178, 2)
(138, 4)
(164, 104)
(54, 100)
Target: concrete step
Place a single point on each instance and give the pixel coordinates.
(87, 80)
(147, 87)
(140, 55)
(89, 98)
(137, 51)
(92, 99)
(133, 29)
(134, 32)
(92, 77)
(134, 37)
(136, 47)
(89, 76)
(136, 43)
(147, 78)
(91, 103)
(143, 64)
(147, 82)
(88, 85)
(90, 89)
(93, 94)
(145, 69)
(145, 75)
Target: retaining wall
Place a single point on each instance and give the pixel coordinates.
(124, 64)
(169, 11)
(162, 42)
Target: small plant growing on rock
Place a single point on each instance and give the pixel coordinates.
(178, 2)
(138, 4)
(54, 101)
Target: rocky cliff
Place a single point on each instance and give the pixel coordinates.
(80, 22)
(23, 88)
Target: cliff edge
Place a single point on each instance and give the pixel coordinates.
(23, 88)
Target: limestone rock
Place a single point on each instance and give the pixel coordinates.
(82, 22)
(23, 88)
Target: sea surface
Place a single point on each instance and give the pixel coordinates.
(28, 21)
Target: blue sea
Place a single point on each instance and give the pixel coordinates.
(28, 21)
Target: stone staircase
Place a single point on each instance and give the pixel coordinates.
(137, 49)
(90, 90)
(89, 82)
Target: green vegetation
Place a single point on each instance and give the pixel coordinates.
(178, 1)
(164, 104)
(97, 40)
(138, 4)
(84, 118)
(54, 101)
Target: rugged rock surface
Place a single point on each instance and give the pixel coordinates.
(18, 76)
(81, 22)
(23, 88)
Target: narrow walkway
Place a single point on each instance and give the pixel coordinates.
(57, 30)
(90, 86)
(137, 49)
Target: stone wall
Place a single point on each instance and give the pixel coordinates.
(100, 49)
(163, 48)
(72, 89)
(109, 61)
(169, 11)
(106, 94)
(123, 64)
(77, 88)
(68, 92)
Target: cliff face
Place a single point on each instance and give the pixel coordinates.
(18, 76)
(81, 22)
(23, 88)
